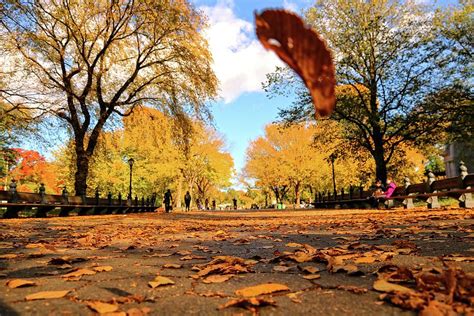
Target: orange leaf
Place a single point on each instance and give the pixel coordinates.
(384, 286)
(304, 51)
(78, 273)
(13, 284)
(159, 281)
(46, 295)
(217, 278)
(102, 268)
(261, 289)
(102, 308)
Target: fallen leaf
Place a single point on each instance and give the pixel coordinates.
(101, 307)
(46, 295)
(78, 273)
(8, 256)
(382, 285)
(266, 288)
(159, 281)
(281, 268)
(13, 284)
(192, 257)
(172, 266)
(311, 276)
(217, 278)
(102, 268)
(353, 289)
(309, 269)
(249, 303)
(294, 245)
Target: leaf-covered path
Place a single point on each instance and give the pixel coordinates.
(267, 262)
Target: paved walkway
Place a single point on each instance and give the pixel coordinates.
(325, 260)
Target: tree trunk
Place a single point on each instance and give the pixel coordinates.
(298, 194)
(179, 192)
(380, 165)
(82, 172)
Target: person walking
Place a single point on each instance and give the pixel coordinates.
(187, 201)
(168, 199)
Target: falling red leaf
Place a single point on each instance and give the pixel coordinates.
(304, 51)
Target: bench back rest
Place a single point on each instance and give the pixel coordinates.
(468, 181)
(417, 188)
(447, 184)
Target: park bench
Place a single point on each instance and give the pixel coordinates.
(16, 202)
(460, 188)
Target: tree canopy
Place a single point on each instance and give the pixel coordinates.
(390, 57)
(88, 61)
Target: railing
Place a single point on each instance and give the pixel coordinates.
(461, 188)
(16, 202)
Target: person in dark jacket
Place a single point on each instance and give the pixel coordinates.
(187, 201)
(167, 200)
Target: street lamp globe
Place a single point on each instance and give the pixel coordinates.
(130, 162)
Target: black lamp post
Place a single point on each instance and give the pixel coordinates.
(130, 163)
(332, 157)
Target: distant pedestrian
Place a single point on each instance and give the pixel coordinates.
(206, 204)
(234, 200)
(214, 205)
(187, 201)
(168, 200)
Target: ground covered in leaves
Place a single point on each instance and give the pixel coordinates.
(352, 262)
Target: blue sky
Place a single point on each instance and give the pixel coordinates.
(241, 63)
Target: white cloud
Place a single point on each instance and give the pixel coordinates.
(290, 6)
(240, 62)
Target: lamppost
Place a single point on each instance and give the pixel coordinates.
(130, 163)
(332, 157)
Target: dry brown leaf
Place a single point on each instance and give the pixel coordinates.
(159, 281)
(249, 303)
(102, 268)
(172, 266)
(294, 245)
(8, 256)
(353, 289)
(13, 284)
(101, 307)
(46, 295)
(217, 278)
(309, 269)
(311, 276)
(436, 308)
(281, 268)
(138, 311)
(349, 268)
(266, 288)
(78, 273)
(302, 49)
(382, 285)
(192, 257)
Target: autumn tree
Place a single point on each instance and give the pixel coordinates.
(30, 169)
(205, 163)
(282, 159)
(389, 56)
(159, 163)
(90, 61)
